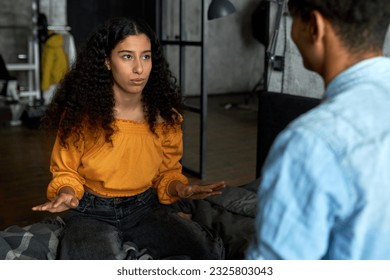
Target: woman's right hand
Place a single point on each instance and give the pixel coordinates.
(65, 200)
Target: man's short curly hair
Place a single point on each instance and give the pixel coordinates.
(361, 24)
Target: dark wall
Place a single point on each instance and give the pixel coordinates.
(84, 16)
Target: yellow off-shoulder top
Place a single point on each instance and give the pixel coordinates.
(136, 160)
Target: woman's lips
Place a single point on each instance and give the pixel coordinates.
(137, 81)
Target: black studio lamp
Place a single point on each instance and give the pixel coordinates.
(220, 8)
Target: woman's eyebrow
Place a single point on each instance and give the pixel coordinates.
(130, 51)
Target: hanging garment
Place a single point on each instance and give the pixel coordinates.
(69, 46)
(54, 61)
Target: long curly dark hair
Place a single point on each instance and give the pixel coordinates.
(84, 99)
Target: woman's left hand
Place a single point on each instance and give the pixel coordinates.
(196, 191)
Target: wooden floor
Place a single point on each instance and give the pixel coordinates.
(230, 156)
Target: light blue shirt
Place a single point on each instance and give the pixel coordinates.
(325, 189)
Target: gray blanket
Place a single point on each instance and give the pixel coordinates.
(229, 216)
(38, 241)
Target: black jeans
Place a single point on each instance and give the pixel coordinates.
(99, 227)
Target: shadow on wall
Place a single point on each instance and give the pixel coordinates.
(253, 25)
(255, 29)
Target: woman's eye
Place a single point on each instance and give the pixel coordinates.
(146, 57)
(127, 56)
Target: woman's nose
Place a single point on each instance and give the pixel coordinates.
(138, 67)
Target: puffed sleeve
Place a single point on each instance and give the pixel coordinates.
(63, 166)
(170, 169)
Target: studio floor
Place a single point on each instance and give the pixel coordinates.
(230, 155)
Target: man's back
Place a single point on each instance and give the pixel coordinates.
(326, 190)
(358, 133)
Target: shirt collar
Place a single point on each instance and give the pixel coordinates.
(356, 73)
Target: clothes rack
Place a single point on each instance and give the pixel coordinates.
(32, 67)
(59, 28)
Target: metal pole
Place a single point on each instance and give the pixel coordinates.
(264, 91)
(203, 93)
(181, 48)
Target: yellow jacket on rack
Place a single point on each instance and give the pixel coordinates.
(54, 61)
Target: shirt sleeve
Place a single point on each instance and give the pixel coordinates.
(64, 166)
(301, 194)
(171, 168)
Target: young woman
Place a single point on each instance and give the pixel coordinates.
(115, 161)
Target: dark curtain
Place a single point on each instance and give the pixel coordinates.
(84, 16)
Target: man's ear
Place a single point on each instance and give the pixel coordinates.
(316, 27)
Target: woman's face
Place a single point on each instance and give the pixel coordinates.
(131, 64)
